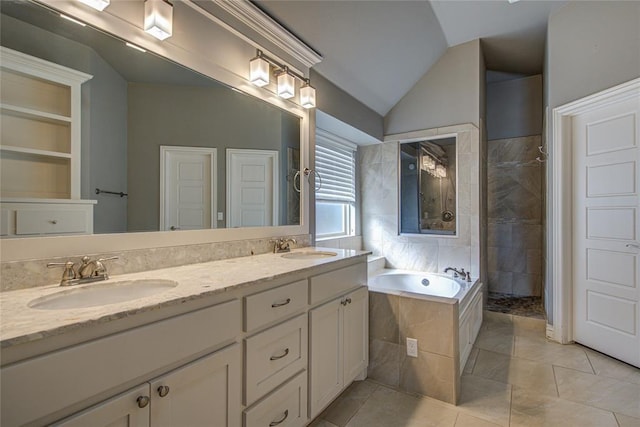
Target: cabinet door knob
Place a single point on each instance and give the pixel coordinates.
(163, 390)
(53, 221)
(280, 356)
(280, 304)
(348, 301)
(142, 401)
(280, 421)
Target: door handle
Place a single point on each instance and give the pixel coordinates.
(633, 245)
(174, 228)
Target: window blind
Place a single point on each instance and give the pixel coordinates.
(337, 168)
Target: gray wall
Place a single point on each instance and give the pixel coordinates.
(514, 108)
(448, 94)
(339, 104)
(103, 149)
(591, 46)
(191, 116)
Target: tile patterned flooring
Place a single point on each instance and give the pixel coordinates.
(514, 377)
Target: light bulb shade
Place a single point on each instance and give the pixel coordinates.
(259, 72)
(158, 18)
(286, 85)
(441, 171)
(97, 4)
(307, 96)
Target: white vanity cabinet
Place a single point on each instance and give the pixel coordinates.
(205, 392)
(338, 330)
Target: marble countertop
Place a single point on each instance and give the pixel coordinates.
(19, 323)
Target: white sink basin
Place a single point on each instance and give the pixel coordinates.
(98, 294)
(309, 255)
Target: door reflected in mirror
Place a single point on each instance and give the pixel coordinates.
(428, 181)
(133, 104)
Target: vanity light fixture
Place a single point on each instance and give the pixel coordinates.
(307, 95)
(259, 75)
(75, 21)
(259, 70)
(97, 4)
(441, 171)
(286, 84)
(158, 18)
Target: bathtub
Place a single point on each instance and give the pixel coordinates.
(444, 314)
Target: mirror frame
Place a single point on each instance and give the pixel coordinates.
(186, 49)
(420, 139)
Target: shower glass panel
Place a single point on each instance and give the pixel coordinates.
(428, 181)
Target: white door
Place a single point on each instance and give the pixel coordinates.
(252, 188)
(606, 268)
(187, 188)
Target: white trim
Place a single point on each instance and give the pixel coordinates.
(272, 154)
(247, 13)
(213, 162)
(559, 252)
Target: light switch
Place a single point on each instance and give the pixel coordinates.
(220, 216)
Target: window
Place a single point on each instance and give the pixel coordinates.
(336, 198)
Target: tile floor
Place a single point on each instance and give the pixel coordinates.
(514, 377)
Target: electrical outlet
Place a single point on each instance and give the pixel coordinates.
(412, 347)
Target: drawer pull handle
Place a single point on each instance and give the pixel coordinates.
(633, 245)
(280, 304)
(163, 390)
(143, 401)
(53, 221)
(286, 352)
(275, 423)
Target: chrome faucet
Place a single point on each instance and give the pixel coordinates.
(282, 245)
(89, 271)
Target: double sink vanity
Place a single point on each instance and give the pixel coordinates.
(263, 340)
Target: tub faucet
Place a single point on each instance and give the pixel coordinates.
(456, 272)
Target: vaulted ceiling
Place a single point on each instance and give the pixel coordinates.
(377, 50)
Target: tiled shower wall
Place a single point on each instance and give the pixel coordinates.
(515, 216)
(379, 190)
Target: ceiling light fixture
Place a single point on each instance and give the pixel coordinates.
(513, 1)
(259, 75)
(158, 18)
(97, 4)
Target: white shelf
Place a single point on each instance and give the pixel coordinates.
(35, 114)
(36, 152)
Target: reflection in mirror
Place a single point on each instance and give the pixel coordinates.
(428, 187)
(187, 152)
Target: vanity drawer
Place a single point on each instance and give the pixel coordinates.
(273, 356)
(286, 406)
(51, 221)
(327, 285)
(275, 304)
(66, 377)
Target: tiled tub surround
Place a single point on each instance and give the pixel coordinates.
(32, 273)
(515, 215)
(444, 327)
(379, 189)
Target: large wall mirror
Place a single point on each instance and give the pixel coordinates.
(428, 179)
(164, 136)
